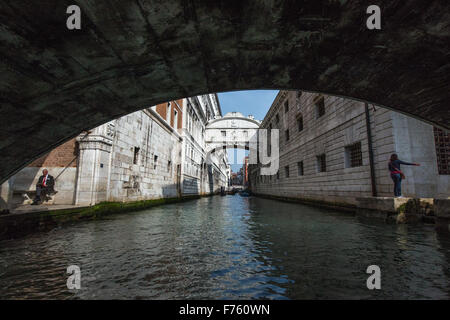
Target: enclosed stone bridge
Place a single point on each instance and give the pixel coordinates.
(232, 131)
(131, 54)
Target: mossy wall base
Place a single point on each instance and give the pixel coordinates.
(18, 225)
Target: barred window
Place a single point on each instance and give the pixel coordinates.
(300, 168)
(321, 163)
(353, 155)
(286, 106)
(287, 135)
(442, 143)
(286, 169)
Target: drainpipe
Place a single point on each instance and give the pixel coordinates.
(371, 159)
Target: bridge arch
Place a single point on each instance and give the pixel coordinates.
(56, 83)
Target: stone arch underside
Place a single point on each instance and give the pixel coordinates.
(55, 83)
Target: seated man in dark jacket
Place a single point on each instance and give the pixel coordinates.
(44, 186)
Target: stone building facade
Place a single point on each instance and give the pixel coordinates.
(325, 152)
(139, 156)
(202, 172)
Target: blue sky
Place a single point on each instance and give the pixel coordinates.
(254, 102)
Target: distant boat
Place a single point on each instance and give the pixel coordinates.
(244, 194)
(232, 191)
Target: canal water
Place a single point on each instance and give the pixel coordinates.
(228, 248)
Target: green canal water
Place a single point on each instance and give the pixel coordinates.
(228, 248)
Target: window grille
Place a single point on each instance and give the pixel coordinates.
(354, 155)
(442, 144)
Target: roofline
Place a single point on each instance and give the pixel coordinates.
(218, 104)
(270, 112)
(257, 122)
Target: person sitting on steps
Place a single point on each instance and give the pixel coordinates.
(44, 186)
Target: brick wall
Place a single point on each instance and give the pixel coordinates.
(59, 157)
(61, 163)
(177, 105)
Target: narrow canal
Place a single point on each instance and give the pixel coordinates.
(228, 247)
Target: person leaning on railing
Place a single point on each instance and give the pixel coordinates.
(396, 174)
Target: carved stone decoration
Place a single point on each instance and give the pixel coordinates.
(110, 130)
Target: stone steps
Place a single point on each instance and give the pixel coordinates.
(405, 210)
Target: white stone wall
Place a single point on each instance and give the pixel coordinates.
(414, 142)
(343, 124)
(93, 165)
(201, 174)
(194, 170)
(165, 167)
(147, 179)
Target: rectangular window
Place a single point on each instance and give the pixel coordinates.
(136, 155)
(286, 170)
(286, 106)
(169, 166)
(442, 144)
(299, 94)
(320, 107)
(353, 155)
(278, 174)
(287, 135)
(300, 168)
(224, 133)
(168, 112)
(277, 118)
(321, 163)
(175, 119)
(155, 160)
(300, 123)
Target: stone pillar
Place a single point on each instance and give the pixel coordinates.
(6, 191)
(94, 165)
(414, 142)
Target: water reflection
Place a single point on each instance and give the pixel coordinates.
(228, 248)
